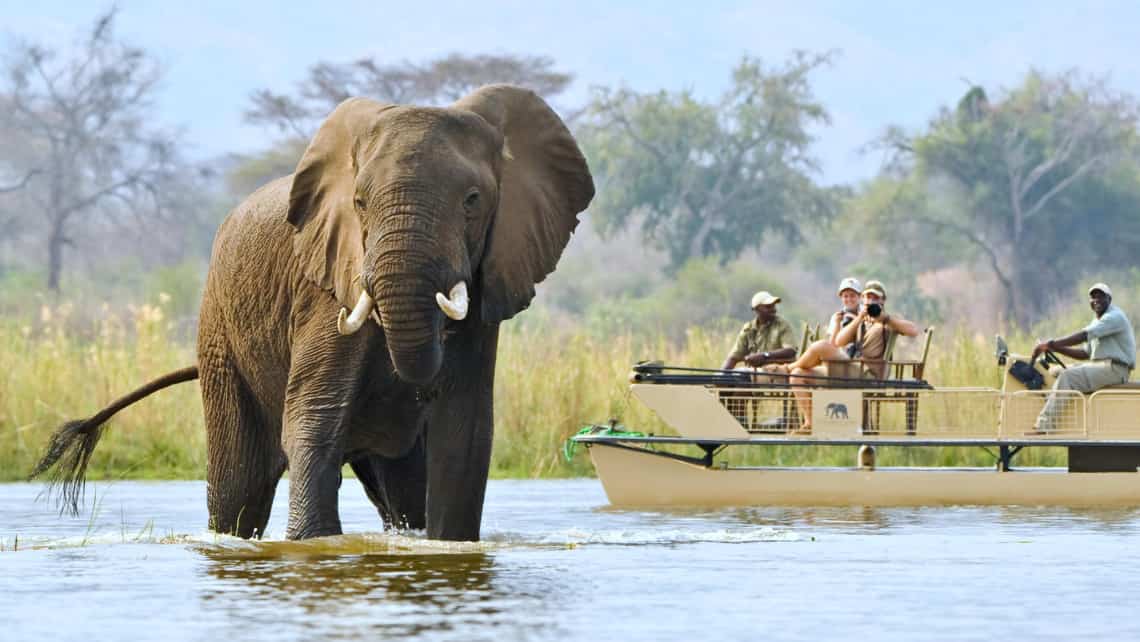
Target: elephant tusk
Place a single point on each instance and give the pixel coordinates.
(348, 323)
(455, 304)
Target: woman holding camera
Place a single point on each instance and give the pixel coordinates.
(870, 332)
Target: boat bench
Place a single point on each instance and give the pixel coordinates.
(1128, 385)
(906, 371)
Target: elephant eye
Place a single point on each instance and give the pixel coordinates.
(471, 201)
(359, 203)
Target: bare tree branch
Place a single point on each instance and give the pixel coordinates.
(83, 117)
(435, 82)
(22, 183)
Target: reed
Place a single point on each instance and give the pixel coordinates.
(551, 380)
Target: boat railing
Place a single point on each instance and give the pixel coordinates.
(751, 411)
(1067, 417)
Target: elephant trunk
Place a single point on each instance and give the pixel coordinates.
(412, 327)
(409, 278)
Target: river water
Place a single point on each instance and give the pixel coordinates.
(557, 564)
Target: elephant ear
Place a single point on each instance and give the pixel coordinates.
(328, 241)
(544, 184)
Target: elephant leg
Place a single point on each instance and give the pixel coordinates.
(324, 382)
(244, 460)
(396, 486)
(314, 482)
(459, 438)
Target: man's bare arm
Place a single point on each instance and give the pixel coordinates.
(847, 334)
(783, 354)
(902, 326)
(1064, 345)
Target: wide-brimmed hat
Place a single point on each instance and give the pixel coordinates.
(764, 297)
(850, 283)
(1100, 286)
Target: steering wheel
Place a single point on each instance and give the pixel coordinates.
(1049, 356)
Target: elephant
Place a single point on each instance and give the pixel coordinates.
(836, 411)
(351, 314)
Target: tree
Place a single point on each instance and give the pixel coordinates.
(86, 143)
(1001, 176)
(710, 179)
(435, 82)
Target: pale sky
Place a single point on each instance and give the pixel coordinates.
(898, 60)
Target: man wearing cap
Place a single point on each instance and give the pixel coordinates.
(765, 339)
(1111, 348)
(849, 291)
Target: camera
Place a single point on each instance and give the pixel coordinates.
(874, 309)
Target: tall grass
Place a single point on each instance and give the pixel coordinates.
(63, 365)
(550, 381)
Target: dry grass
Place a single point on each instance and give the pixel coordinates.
(58, 367)
(550, 382)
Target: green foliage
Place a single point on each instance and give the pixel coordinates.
(178, 286)
(710, 179)
(1039, 186)
(702, 294)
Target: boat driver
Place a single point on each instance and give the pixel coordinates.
(1111, 349)
(764, 340)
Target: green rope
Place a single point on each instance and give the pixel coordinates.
(612, 429)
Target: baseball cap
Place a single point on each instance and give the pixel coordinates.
(876, 287)
(764, 298)
(850, 283)
(1102, 287)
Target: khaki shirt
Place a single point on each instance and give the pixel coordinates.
(773, 335)
(874, 347)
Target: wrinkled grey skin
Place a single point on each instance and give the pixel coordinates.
(405, 202)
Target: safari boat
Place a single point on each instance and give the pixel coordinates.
(715, 410)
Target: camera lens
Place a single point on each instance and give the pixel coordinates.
(874, 309)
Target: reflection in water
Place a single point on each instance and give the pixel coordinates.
(869, 519)
(845, 519)
(343, 595)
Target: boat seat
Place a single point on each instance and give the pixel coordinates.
(912, 370)
(1127, 385)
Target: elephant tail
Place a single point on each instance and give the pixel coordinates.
(71, 446)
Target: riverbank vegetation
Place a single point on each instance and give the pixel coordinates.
(552, 379)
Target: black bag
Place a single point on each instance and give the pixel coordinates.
(1027, 374)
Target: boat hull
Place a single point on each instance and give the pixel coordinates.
(634, 476)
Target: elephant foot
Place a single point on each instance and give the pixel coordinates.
(312, 529)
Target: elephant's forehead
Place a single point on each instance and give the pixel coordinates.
(404, 126)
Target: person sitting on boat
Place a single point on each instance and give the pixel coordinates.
(870, 332)
(764, 340)
(849, 291)
(1111, 346)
